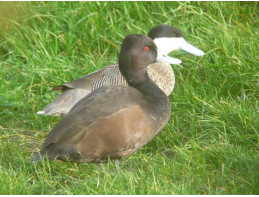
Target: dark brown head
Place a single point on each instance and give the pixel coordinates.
(137, 51)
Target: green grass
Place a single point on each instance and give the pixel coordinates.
(210, 144)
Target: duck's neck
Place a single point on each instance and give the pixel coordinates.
(148, 88)
(137, 77)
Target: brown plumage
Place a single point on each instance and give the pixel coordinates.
(113, 121)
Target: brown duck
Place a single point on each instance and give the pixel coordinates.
(113, 121)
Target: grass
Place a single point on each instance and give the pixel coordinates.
(210, 144)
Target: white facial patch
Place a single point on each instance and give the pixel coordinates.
(167, 45)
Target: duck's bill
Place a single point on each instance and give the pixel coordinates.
(185, 46)
(167, 59)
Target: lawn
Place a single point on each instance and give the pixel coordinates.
(210, 144)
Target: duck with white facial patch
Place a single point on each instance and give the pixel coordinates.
(167, 39)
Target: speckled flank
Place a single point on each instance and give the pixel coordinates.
(163, 75)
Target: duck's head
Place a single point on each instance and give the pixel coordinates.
(138, 51)
(169, 38)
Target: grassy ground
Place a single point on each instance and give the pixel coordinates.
(210, 144)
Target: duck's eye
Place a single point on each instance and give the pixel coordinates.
(146, 49)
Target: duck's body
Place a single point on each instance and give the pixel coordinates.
(166, 37)
(114, 121)
(112, 131)
(161, 73)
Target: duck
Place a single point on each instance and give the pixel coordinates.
(113, 122)
(166, 37)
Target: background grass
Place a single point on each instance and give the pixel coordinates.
(210, 144)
